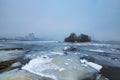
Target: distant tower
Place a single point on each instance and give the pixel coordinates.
(31, 36)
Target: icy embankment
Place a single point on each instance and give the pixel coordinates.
(67, 67)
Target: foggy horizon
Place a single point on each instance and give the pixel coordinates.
(55, 20)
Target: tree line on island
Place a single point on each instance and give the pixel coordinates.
(74, 38)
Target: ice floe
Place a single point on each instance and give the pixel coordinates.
(59, 67)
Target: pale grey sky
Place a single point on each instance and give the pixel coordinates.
(56, 19)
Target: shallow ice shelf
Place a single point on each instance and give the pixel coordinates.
(10, 55)
(67, 67)
(20, 75)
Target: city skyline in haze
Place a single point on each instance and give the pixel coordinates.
(56, 19)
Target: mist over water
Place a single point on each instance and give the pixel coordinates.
(57, 19)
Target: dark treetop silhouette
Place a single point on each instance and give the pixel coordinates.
(74, 38)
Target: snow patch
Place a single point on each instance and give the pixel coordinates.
(59, 53)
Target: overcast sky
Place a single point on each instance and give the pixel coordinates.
(56, 19)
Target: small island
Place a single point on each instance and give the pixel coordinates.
(74, 38)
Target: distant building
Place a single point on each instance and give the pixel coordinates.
(31, 36)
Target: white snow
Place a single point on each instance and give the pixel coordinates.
(66, 63)
(59, 53)
(40, 64)
(93, 44)
(66, 48)
(96, 50)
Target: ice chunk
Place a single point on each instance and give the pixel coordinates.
(93, 65)
(56, 67)
(16, 64)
